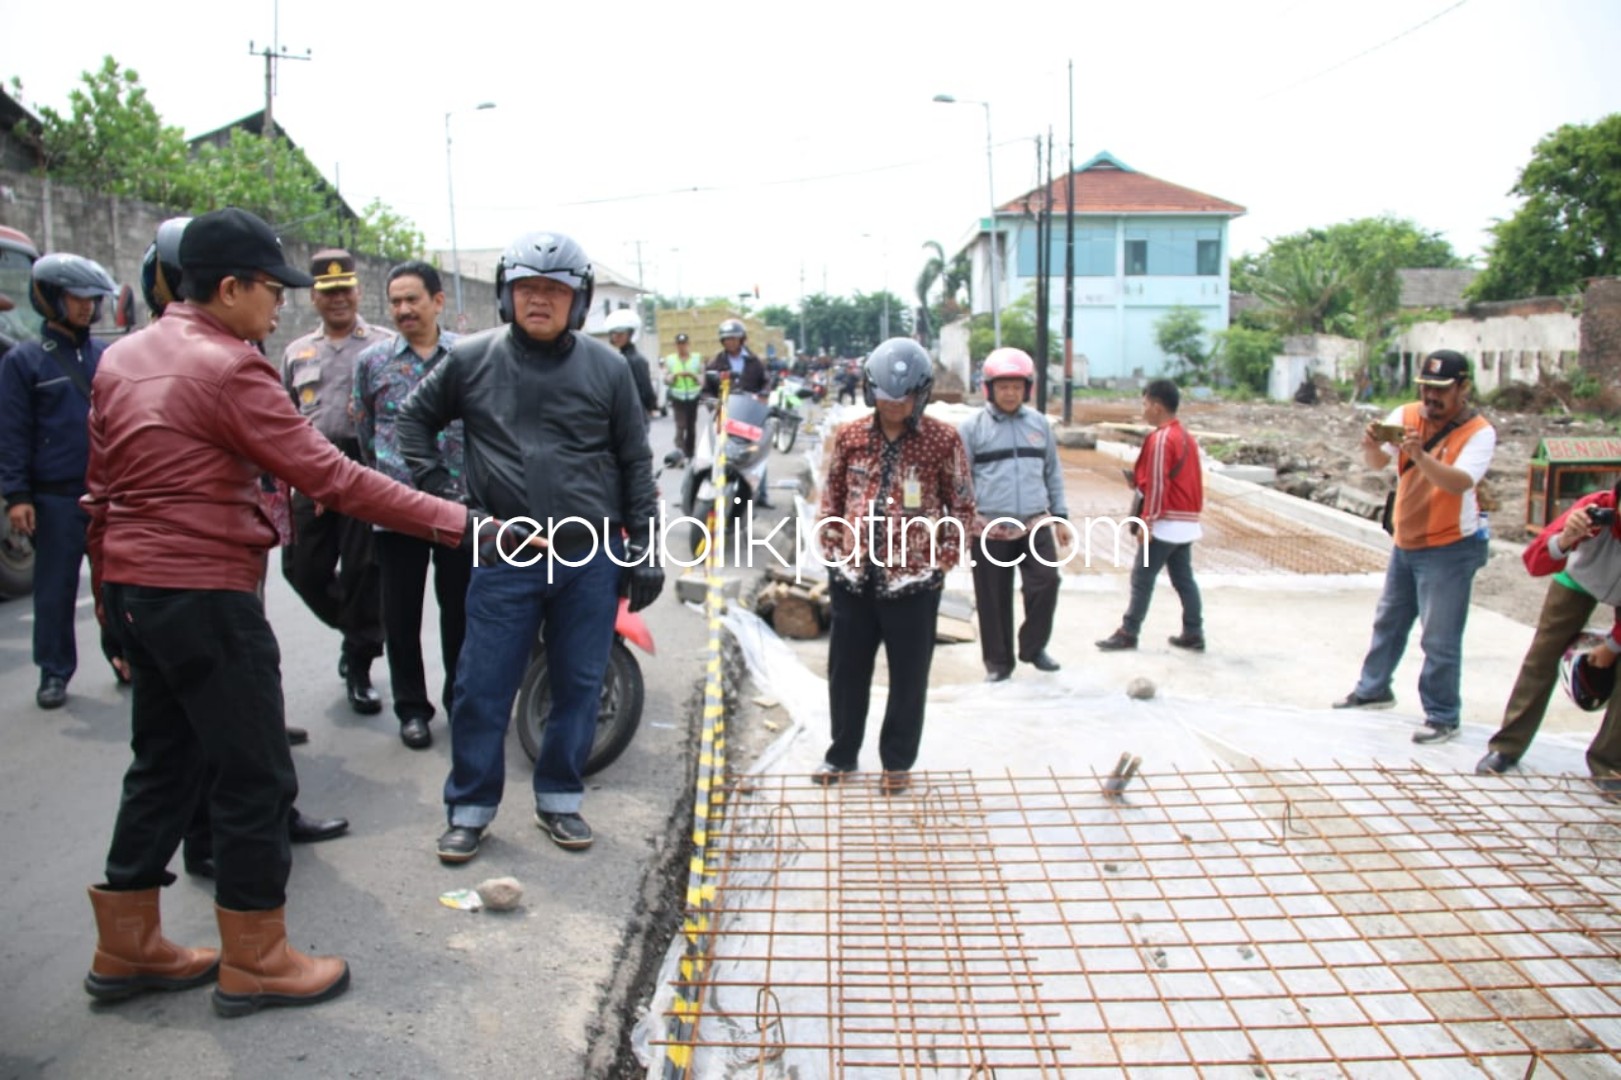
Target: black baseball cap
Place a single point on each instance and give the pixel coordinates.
(679, 338)
(234, 239)
(1443, 367)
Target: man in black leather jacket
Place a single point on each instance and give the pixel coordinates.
(555, 435)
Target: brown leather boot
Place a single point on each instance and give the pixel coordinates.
(133, 956)
(258, 969)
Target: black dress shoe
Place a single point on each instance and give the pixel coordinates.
(1495, 761)
(362, 698)
(997, 675)
(415, 734)
(566, 830)
(1118, 641)
(297, 736)
(1043, 662)
(1190, 642)
(52, 693)
(303, 830)
(460, 843)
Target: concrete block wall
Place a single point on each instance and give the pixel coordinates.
(115, 232)
(1601, 330)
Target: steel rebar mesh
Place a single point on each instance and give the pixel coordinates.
(1302, 922)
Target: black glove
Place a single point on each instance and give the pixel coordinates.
(642, 582)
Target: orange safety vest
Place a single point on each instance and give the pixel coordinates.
(1425, 515)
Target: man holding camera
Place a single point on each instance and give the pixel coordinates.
(1440, 540)
(1582, 550)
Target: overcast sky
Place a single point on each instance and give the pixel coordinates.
(748, 144)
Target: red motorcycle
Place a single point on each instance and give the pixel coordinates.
(623, 691)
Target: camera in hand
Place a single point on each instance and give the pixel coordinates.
(1602, 516)
(1389, 433)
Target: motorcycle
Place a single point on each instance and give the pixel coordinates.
(788, 411)
(623, 691)
(748, 420)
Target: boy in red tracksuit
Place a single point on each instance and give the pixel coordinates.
(1170, 484)
(1583, 553)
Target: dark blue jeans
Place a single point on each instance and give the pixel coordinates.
(506, 607)
(1178, 560)
(1431, 585)
(59, 539)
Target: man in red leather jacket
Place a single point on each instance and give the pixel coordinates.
(186, 416)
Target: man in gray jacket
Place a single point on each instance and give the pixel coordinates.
(556, 434)
(1019, 488)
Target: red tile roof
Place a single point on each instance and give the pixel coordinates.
(1105, 185)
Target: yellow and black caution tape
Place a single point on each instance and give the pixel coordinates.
(709, 797)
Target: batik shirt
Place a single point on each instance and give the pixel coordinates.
(385, 375)
(918, 484)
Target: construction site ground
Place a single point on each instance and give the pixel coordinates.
(1280, 889)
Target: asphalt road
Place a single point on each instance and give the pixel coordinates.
(436, 992)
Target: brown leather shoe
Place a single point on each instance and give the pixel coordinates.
(259, 970)
(133, 956)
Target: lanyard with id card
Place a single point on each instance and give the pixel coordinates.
(911, 490)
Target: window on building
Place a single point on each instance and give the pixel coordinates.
(1136, 258)
(1094, 251)
(1209, 258)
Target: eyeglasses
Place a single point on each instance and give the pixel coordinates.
(276, 289)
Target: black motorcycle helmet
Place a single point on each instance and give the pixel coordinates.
(551, 255)
(897, 368)
(54, 275)
(160, 266)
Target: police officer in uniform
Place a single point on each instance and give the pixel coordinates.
(330, 562)
(682, 372)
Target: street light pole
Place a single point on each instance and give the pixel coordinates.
(990, 179)
(450, 189)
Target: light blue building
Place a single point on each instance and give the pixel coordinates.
(1142, 247)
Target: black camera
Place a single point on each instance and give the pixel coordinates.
(1602, 516)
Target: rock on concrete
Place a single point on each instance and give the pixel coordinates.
(500, 893)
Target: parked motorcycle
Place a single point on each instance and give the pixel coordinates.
(748, 421)
(788, 403)
(623, 691)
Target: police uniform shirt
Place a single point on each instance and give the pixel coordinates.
(319, 373)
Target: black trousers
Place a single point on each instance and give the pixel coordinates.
(332, 567)
(993, 596)
(402, 565)
(905, 627)
(686, 424)
(207, 692)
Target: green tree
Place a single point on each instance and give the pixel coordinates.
(933, 268)
(112, 140)
(1244, 354)
(1569, 227)
(1180, 333)
(778, 315)
(1303, 287)
(1018, 331)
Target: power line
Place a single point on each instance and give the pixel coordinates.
(697, 188)
(1364, 52)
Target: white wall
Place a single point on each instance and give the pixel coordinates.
(1504, 348)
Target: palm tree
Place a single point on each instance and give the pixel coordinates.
(1301, 287)
(932, 269)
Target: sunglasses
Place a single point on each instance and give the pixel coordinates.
(276, 289)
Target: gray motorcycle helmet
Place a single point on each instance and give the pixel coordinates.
(160, 267)
(733, 328)
(54, 275)
(898, 368)
(550, 255)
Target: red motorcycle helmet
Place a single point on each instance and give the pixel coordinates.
(1010, 363)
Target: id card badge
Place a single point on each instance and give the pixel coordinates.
(911, 491)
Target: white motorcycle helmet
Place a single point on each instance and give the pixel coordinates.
(623, 321)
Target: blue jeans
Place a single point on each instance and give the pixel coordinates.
(1178, 560)
(1431, 585)
(506, 607)
(60, 526)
